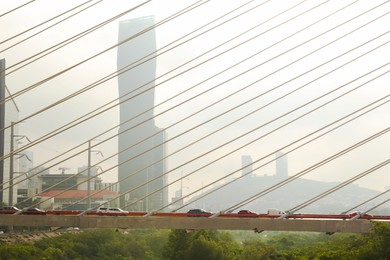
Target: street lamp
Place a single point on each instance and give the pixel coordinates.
(89, 173)
(11, 163)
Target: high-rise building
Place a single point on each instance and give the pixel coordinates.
(9, 113)
(140, 158)
(246, 161)
(281, 165)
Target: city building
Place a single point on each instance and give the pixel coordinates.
(140, 159)
(66, 189)
(70, 199)
(47, 182)
(96, 182)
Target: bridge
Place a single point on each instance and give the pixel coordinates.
(254, 106)
(255, 224)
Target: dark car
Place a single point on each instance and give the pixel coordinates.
(247, 214)
(199, 213)
(34, 211)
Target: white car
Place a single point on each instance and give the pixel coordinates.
(111, 211)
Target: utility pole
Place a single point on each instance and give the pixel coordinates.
(11, 168)
(147, 189)
(89, 173)
(2, 124)
(89, 176)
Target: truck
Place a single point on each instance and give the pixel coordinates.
(276, 212)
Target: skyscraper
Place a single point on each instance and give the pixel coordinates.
(281, 165)
(137, 156)
(246, 161)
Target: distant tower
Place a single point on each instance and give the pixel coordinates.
(281, 165)
(129, 161)
(246, 160)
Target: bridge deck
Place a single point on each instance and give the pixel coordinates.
(313, 225)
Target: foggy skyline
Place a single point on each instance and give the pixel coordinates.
(269, 75)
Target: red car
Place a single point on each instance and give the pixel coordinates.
(9, 210)
(247, 214)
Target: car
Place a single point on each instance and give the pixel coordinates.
(9, 210)
(199, 213)
(111, 211)
(72, 229)
(357, 214)
(244, 213)
(276, 212)
(33, 211)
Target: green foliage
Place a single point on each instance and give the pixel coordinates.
(97, 244)
(377, 244)
(204, 244)
(177, 245)
(257, 249)
(200, 244)
(8, 251)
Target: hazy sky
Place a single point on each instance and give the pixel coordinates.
(270, 71)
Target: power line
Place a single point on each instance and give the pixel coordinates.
(183, 11)
(173, 16)
(95, 145)
(217, 55)
(240, 146)
(380, 194)
(16, 8)
(337, 187)
(307, 170)
(95, 110)
(293, 120)
(58, 46)
(256, 111)
(362, 214)
(45, 29)
(183, 102)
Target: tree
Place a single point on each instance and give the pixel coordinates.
(18, 251)
(177, 245)
(206, 249)
(377, 244)
(200, 244)
(257, 249)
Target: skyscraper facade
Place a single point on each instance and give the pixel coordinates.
(140, 159)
